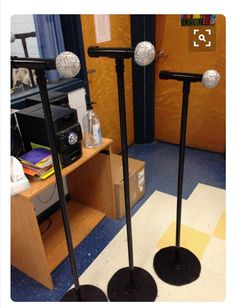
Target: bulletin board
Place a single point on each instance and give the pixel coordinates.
(197, 19)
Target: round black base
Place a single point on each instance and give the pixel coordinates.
(88, 293)
(120, 289)
(176, 266)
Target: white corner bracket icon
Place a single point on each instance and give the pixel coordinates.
(209, 33)
(194, 33)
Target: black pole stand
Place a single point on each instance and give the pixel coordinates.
(27, 55)
(84, 293)
(129, 283)
(177, 265)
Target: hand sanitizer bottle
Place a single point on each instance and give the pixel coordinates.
(91, 128)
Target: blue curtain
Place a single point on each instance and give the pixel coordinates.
(50, 39)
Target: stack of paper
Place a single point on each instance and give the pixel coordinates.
(37, 163)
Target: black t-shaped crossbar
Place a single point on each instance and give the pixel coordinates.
(33, 63)
(190, 77)
(109, 52)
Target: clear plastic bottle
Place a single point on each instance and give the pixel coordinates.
(91, 128)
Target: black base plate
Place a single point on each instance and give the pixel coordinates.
(176, 266)
(145, 289)
(88, 293)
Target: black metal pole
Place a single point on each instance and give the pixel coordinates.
(41, 81)
(129, 283)
(122, 116)
(174, 264)
(84, 293)
(23, 41)
(184, 114)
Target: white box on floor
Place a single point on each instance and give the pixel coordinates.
(136, 180)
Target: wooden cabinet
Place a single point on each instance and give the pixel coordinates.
(90, 188)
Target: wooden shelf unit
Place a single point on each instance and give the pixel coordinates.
(82, 221)
(90, 187)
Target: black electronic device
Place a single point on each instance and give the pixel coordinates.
(55, 98)
(68, 131)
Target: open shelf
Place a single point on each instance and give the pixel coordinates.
(82, 221)
(38, 250)
(39, 186)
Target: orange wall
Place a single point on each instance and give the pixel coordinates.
(206, 115)
(103, 83)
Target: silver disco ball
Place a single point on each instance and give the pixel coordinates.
(210, 79)
(144, 53)
(68, 64)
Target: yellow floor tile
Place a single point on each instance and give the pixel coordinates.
(195, 241)
(220, 230)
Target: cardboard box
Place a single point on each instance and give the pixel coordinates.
(136, 179)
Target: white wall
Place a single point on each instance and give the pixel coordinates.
(77, 100)
(23, 24)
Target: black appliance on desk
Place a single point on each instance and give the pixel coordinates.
(68, 131)
(55, 98)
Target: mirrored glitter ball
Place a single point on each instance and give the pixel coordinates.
(144, 53)
(68, 64)
(210, 79)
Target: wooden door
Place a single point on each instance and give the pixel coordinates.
(206, 114)
(103, 82)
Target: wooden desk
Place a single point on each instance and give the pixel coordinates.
(90, 187)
